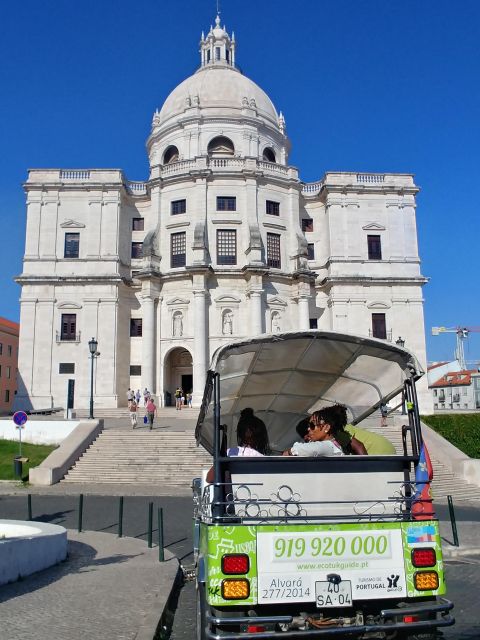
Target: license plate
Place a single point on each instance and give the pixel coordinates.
(328, 594)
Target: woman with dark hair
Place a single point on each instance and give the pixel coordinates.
(321, 438)
(252, 436)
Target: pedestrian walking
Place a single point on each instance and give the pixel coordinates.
(178, 398)
(133, 413)
(151, 412)
(189, 399)
(384, 413)
(130, 396)
(138, 395)
(146, 396)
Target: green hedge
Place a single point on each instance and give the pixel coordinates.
(462, 430)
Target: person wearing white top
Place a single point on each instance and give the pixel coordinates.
(321, 440)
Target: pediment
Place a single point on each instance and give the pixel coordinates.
(378, 305)
(72, 224)
(276, 301)
(68, 305)
(177, 301)
(373, 226)
(226, 299)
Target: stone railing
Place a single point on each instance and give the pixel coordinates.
(370, 178)
(74, 174)
(312, 188)
(184, 166)
(226, 163)
(272, 167)
(136, 188)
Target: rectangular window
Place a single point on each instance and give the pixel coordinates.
(226, 203)
(313, 323)
(9, 349)
(272, 208)
(0, 370)
(137, 249)
(374, 247)
(136, 327)
(69, 326)
(138, 224)
(226, 246)
(178, 206)
(1, 348)
(72, 245)
(178, 249)
(217, 53)
(7, 395)
(273, 250)
(379, 326)
(8, 371)
(311, 251)
(135, 369)
(66, 367)
(307, 225)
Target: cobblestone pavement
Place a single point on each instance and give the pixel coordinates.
(107, 589)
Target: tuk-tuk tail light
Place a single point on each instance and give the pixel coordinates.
(235, 589)
(426, 580)
(424, 557)
(235, 563)
(410, 619)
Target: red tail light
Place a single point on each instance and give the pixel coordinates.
(424, 557)
(235, 564)
(253, 628)
(408, 619)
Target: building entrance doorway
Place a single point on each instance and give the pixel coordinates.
(178, 372)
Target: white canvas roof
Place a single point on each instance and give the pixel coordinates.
(285, 376)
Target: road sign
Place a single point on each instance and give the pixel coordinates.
(20, 418)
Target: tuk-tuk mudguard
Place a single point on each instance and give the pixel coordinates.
(218, 540)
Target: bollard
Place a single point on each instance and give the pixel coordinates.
(120, 517)
(29, 506)
(161, 553)
(80, 512)
(150, 524)
(453, 521)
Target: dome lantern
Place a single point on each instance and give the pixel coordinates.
(217, 48)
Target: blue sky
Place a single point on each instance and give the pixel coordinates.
(376, 85)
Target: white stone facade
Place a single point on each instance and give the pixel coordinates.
(233, 244)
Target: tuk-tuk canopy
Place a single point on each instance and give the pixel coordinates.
(284, 377)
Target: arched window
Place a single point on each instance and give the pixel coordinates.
(221, 146)
(269, 155)
(170, 155)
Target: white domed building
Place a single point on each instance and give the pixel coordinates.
(223, 241)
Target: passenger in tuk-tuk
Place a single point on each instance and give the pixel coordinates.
(321, 438)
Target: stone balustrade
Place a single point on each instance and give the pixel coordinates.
(312, 188)
(136, 188)
(371, 178)
(74, 174)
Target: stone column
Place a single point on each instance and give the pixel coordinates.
(200, 363)
(148, 342)
(303, 313)
(34, 206)
(256, 312)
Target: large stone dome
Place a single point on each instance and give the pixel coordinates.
(218, 90)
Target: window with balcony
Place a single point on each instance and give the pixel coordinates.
(136, 327)
(178, 249)
(68, 330)
(307, 225)
(138, 224)
(178, 206)
(269, 155)
(311, 251)
(374, 247)
(379, 326)
(272, 208)
(137, 250)
(226, 203)
(273, 250)
(226, 246)
(72, 245)
(66, 367)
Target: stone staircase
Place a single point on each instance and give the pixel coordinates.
(123, 412)
(168, 456)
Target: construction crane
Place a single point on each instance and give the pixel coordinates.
(462, 335)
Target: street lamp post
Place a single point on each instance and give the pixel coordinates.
(92, 345)
(401, 343)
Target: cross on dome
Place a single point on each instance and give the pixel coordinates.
(217, 48)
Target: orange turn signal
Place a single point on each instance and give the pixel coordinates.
(426, 580)
(233, 589)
